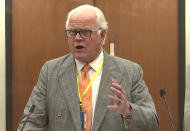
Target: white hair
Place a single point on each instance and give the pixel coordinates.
(101, 21)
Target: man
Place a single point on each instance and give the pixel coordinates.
(115, 97)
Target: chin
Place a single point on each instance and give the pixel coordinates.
(80, 57)
(83, 59)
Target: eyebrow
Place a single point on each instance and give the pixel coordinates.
(79, 29)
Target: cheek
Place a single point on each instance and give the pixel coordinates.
(95, 47)
(70, 43)
(96, 39)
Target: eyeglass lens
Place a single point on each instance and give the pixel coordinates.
(82, 33)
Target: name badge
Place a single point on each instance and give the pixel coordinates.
(83, 116)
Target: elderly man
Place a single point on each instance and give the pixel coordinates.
(88, 89)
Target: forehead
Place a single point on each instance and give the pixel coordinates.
(84, 19)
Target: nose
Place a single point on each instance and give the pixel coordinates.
(78, 36)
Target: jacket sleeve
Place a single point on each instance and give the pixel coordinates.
(38, 119)
(144, 117)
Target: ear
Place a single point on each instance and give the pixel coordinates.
(103, 35)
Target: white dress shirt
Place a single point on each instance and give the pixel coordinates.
(95, 85)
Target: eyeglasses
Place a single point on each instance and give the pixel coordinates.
(84, 33)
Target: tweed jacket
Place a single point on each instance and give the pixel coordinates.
(57, 108)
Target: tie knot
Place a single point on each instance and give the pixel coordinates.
(86, 68)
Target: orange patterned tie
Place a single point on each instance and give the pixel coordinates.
(87, 98)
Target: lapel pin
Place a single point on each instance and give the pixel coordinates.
(59, 114)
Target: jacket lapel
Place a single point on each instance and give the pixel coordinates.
(67, 80)
(110, 71)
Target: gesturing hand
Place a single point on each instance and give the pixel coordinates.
(121, 104)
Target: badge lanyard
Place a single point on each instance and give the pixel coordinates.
(90, 83)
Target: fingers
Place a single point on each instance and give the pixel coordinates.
(117, 89)
(113, 107)
(118, 93)
(115, 99)
(117, 86)
(118, 98)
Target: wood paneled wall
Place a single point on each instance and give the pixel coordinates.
(147, 32)
(144, 31)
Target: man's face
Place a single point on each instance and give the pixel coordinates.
(85, 49)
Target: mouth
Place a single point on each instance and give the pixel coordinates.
(79, 47)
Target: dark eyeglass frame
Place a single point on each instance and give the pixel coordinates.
(81, 32)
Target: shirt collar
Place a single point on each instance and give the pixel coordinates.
(94, 64)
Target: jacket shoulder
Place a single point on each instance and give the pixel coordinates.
(125, 63)
(60, 60)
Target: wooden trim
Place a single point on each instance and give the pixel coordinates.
(8, 46)
(181, 57)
